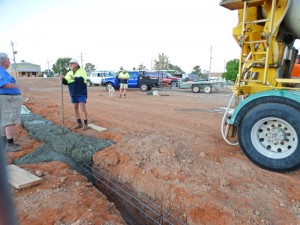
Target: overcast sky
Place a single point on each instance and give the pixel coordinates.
(114, 33)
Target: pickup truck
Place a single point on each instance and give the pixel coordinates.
(137, 80)
(164, 77)
(96, 77)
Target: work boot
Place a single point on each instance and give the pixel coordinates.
(77, 126)
(11, 147)
(85, 127)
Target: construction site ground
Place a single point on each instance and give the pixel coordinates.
(167, 147)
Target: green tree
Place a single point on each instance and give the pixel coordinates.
(162, 63)
(197, 70)
(232, 69)
(61, 66)
(89, 67)
(176, 69)
(141, 67)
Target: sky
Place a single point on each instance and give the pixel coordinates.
(114, 33)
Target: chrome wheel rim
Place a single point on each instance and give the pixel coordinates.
(274, 138)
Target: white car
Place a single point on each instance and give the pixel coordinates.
(96, 77)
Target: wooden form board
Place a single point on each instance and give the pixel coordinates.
(20, 178)
(97, 128)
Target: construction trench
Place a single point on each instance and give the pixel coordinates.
(61, 144)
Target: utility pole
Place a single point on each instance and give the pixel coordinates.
(210, 58)
(48, 74)
(81, 59)
(14, 57)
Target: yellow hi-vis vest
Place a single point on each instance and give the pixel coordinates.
(79, 73)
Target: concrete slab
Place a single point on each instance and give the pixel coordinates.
(20, 178)
(97, 128)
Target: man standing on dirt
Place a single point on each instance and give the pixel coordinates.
(123, 77)
(10, 105)
(76, 80)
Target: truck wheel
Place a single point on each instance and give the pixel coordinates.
(173, 84)
(207, 89)
(109, 85)
(88, 83)
(195, 89)
(269, 135)
(144, 87)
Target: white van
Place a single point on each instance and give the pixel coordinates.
(96, 77)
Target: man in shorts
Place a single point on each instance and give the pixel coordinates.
(76, 80)
(123, 77)
(10, 105)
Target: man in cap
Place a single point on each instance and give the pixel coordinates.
(76, 80)
(10, 105)
(123, 77)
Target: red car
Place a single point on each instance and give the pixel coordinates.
(165, 77)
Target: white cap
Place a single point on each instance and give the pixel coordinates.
(73, 61)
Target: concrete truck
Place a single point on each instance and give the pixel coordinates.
(263, 115)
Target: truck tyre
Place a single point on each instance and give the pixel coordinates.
(195, 89)
(207, 89)
(88, 83)
(108, 85)
(144, 87)
(269, 135)
(174, 84)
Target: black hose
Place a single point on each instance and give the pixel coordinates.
(7, 210)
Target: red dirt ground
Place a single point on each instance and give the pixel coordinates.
(167, 147)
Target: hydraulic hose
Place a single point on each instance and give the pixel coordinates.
(283, 16)
(223, 123)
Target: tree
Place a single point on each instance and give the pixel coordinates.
(89, 67)
(232, 69)
(177, 69)
(48, 73)
(162, 63)
(141, 67)
(197, 70)
(61, 65)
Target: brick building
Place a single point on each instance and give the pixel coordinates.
(25, 69)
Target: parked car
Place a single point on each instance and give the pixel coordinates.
(137, 80)
(164, 77)
(96, 77)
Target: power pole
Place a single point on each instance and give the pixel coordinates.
(48, 74)
(81, 59)
(210, 58)
(14, 57)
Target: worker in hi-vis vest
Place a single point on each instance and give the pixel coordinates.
(76, 80)
(123, 77)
